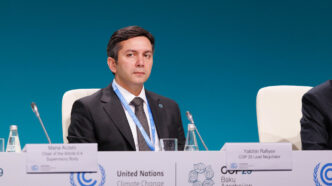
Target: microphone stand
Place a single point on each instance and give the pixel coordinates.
(35, 110)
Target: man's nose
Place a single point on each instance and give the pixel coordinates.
(140, 61)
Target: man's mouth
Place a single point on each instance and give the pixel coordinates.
(139, 73)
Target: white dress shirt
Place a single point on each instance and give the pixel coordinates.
(129, 97)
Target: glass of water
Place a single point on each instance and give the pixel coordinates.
(2, 145)
(169, 144)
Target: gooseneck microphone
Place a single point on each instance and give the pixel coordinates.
(35, 110)
(190, 118)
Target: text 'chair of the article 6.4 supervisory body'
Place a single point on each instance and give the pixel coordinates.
(278, 114)
(68, 100)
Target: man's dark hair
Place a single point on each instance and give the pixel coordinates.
(123, 34)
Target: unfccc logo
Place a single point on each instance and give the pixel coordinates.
(88, 179)
(325, 174)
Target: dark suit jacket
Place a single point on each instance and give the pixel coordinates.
(100, 118)
(316, 123)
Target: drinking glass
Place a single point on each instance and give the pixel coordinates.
(169, 144)
(2, 145)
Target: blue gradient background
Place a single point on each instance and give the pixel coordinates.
(211, 57)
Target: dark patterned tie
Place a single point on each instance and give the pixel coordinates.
(140, 114)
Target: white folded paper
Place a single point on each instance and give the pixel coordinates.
(258, 156)
(49, 158)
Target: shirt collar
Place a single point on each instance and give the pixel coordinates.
(129, 96)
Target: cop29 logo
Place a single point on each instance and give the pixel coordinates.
(88, 179)
(206, 177)
(324, 174)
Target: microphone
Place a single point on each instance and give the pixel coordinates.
(190, 118)
(35, 110)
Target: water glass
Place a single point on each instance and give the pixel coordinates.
(2, 145)
(169, 144)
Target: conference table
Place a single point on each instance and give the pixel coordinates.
(171, 169)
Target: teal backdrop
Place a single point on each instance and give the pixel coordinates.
(211, 57)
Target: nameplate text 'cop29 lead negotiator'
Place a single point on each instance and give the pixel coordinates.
(50, 158)
(258, 156)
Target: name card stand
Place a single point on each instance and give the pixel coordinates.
(54, 158)
(258, 156)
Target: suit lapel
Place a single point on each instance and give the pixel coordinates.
(114, 109)
(157, 113)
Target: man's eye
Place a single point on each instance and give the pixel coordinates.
(129, 55)
(147, 55)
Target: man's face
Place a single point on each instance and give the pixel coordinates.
(134, 64)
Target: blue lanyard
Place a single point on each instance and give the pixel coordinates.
(136, 121)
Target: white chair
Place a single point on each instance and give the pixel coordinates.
(279, 113)
(68, 100)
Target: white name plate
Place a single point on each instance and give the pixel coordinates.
(49, 158)
(258, 156)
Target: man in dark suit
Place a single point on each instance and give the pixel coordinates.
(124, 116)
(316, 123)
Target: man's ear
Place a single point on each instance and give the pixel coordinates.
(111, 64)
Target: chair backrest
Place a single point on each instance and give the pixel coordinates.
(279, 113)
(68, 100)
